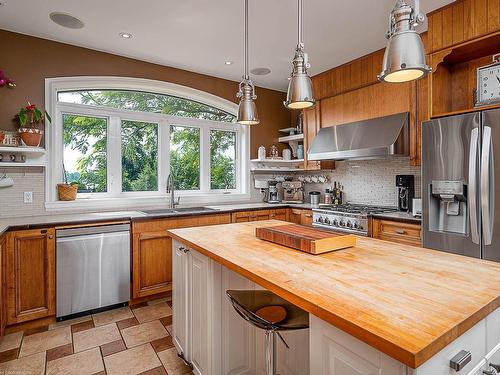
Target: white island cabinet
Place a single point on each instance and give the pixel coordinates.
(214, 340)
(207, 332)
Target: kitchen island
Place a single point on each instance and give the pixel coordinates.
(405, 310)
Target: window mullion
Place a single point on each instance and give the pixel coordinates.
(163, 155)
(205, 159)
(114, 157)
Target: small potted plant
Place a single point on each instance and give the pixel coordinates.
(2, 137)
(30, 118)
(67, 191)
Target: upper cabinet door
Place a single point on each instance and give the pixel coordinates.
(30, 271)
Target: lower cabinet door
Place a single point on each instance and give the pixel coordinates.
(334, 352)
(30, 272)
(180, 318)
(200, 313)
(152, 264)
(237, 335)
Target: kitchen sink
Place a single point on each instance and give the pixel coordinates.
(167, 211)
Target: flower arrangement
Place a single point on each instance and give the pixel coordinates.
(28, 117)
(4, 81)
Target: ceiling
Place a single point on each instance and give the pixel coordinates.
(199, 35)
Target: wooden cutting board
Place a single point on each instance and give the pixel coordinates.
(310, 240)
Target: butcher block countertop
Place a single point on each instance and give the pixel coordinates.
(405, 301)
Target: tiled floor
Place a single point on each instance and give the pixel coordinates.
(124, 341)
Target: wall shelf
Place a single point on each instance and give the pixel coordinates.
(35, 156)
(277, 165)
(288, 138)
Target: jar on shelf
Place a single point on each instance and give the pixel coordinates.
(300, 152)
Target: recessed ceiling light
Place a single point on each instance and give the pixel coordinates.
(66, 20)
(125, 35)
(228, 62)
(260, 71)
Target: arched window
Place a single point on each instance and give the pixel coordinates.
(121, 137)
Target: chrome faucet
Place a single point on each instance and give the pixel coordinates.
(171, 191)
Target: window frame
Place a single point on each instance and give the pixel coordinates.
(114, 197)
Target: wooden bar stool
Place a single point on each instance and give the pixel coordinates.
(271, 313)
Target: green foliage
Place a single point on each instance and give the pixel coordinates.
(31, 115)
(87, 135)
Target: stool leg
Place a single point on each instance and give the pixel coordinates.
(270, 353)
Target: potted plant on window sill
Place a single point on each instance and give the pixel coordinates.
(31, 121)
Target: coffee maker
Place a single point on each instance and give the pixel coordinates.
(293, 191)
(273, 192)
(406, 191)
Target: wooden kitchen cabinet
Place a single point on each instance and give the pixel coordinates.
(3, 290)
(245, 216)
(300, 216)
(30, 275)
(312, 124)
(395, 231)
(152, 251)
(279, 214)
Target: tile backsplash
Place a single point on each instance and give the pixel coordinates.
(12, 198)
(370, 181)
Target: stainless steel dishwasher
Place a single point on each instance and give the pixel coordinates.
(93, 268)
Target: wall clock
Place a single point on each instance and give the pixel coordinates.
(488, 83)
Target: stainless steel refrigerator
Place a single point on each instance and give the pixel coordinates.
(459, 182)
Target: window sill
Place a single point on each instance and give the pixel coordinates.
(143, 202)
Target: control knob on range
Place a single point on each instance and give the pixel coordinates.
(342, 224)
(319, 219)
(327, 221)
(356, 225)
(335, 223)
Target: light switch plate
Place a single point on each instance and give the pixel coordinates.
(28, 197)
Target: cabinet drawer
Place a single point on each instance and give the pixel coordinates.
(397, 231)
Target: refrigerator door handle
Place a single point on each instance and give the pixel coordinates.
(487, 188)
(473, 217)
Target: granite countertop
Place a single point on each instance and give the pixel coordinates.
(400, 299)
(27, 222)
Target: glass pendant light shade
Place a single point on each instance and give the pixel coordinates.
(404, 58)
(247, 110)
(300, 91)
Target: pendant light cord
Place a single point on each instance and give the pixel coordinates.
(300, 35)
(246, 76)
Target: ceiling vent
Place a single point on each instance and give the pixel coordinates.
(66, 20)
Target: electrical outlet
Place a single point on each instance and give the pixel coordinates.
(28, 197)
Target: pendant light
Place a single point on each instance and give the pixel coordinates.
(247, 111)
(300, 92)
(404, 58)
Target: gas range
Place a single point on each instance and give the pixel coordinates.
(350, 218)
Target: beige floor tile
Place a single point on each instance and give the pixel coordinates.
(67, 323)
(159, 300)
(10, 341)
(112, 316)
(31, 365)
(172, 363)
(152, 312)
(40, 342)
(132, 361)
(143, 333)
(95, 337)
(84, 363)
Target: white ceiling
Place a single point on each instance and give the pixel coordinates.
(199, 35)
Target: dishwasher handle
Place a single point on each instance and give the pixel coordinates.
(74, 232)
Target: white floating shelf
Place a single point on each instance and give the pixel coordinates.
(35, 156)
(288, 138)
(22, 150)
(277, 161)
(277, 170)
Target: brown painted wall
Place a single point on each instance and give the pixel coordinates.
(29, 60)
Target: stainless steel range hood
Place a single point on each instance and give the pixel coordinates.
(375, 138)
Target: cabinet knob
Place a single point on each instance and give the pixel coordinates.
(183, 249)
(51, 236)
(308, 215)
(490, 372)
(400, 231)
